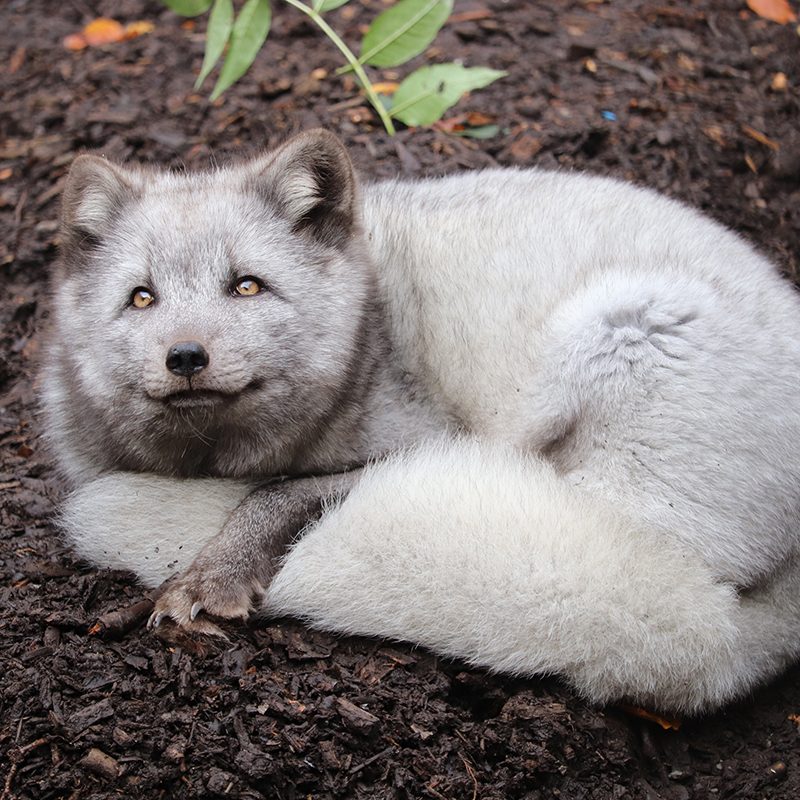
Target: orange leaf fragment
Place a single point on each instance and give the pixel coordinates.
(779, 82)
(451, 124)
(75, 41)
(476, 119)
(385, 87)
(666, 723)
(103, 31)
(6, 173)
(15, 62)
(774, 10)
(106, 31)
(134, 29)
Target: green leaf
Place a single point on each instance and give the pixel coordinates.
(427, 93)
(328, 5)
(188, 8)
(248, 34)
(481, 132)
(220, 23)
(403, 31)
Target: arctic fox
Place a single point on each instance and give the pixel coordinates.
(542, 422)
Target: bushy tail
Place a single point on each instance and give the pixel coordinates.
(151, 525)
(480, 553)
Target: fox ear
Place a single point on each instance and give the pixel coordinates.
(94, 193)
(310, 181)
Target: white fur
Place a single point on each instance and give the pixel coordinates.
(149, 524)
(479, 552)
(652, 358)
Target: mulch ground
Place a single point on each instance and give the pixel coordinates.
(678, 96)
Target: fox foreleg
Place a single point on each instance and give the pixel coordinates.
(233, 570)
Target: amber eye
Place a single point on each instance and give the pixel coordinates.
(141, 297)
(248, 286)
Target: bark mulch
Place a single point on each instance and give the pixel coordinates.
(678, 96)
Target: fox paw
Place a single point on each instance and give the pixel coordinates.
(200, 593)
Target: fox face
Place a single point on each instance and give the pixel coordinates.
(209, 323)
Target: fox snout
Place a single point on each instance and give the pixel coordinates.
(187, 359)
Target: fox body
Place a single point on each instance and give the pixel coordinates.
(542, 422)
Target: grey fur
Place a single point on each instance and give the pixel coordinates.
(305, 366)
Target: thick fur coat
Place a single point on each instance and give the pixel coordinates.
(573, 404)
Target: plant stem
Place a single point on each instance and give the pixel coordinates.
(351, 60)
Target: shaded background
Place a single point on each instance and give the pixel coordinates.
(683, 97)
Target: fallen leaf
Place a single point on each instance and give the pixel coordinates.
(106, 31)
(385, 87)
(666, 723)
(774, 10)
(134, 29)
(451, 124)
(779, 82)
(75, 41)
(761, 138)
(476, 119)
(103, 31)
(6, 173)
(15, 62)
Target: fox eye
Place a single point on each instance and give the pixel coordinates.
(141, 297)
(247, 286)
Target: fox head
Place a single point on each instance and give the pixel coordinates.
(206, 323)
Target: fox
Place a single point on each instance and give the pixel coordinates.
(539, 421)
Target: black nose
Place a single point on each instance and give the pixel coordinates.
(187, 358)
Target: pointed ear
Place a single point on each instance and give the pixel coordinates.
(310, 182)
(94, 193)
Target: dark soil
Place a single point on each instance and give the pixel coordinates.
(677, 96)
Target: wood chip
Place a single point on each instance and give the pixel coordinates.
(86, 717)
(101, 764)
(357, 719)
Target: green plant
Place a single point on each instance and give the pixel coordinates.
(395, 36)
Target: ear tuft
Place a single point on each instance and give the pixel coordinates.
(94, 193)
(310, 182)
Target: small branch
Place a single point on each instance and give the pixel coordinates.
(351, 60)
(117, 624)
(16, 755)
